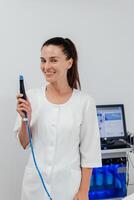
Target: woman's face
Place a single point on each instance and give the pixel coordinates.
(54, 63)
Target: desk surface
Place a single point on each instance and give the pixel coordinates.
(115, 153)
(125, 150)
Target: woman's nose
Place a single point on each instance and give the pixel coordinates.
(46, 65)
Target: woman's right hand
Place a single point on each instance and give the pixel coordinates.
(23, 105)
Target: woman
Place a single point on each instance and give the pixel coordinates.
(64, 127)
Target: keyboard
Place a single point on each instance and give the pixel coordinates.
(117, 144)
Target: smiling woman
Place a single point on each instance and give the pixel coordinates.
(59, 56)
(64, 127)
(54, 64)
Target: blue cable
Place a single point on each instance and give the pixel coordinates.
(33, 154)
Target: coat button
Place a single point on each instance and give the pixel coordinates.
(57, 108)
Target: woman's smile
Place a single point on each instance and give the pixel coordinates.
(49, 73)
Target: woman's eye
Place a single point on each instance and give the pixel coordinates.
(54, 61)
(43, 61)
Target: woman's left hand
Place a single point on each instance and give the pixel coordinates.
(81, 195)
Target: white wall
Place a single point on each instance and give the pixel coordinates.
(103, 33)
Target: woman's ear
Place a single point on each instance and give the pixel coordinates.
(70, 63)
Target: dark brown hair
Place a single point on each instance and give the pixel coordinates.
(70, 51)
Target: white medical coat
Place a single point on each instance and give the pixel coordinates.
(65, 138)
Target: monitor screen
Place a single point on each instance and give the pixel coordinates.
(111, 121)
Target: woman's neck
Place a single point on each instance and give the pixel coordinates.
(61, 90)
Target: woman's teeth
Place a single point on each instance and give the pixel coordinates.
(50, 72)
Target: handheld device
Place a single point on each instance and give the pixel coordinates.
(22, 91)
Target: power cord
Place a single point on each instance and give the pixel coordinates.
(132, 164)
(33, 155)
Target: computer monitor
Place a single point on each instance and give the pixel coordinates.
(111, 119)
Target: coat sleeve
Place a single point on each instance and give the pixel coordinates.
(17, 126)
(90, 150)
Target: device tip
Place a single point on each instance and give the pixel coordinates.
(21, 77)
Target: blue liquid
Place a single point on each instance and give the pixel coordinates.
(107, 182)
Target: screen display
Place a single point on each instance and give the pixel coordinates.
(110, 121)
